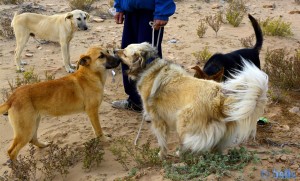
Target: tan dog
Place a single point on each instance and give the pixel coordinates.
(81, 91)
(58, 28)
(206, 115)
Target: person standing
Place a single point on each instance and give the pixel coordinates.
(136, 15)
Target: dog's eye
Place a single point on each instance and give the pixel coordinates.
(79, 19)
(101, 55)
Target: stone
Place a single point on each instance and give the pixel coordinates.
(29, 55)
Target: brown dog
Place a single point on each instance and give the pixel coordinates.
(207, 115)
(81, 91)
(202, 75)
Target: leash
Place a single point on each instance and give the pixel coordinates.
(139, 132)
(151, 23)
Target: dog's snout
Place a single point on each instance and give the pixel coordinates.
(85, 27)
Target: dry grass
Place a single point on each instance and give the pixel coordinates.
(85, 5)
(214, 22)
(235, 12)
(201, 30)
(247, 41)
(276, 27)
(283, 69)
(202, 56)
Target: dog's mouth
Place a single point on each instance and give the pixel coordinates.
(83, 27)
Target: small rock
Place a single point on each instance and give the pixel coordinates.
(283, 158)
(98, 20)
(270, 160)
(172, 41)
(285, 127)
(277, 157)
(294, 110)
(216, 6)
(39, 47)
(179, 164)
(294, 167)
(29, 55)
(99, 29)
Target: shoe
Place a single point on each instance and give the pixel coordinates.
(125, 104)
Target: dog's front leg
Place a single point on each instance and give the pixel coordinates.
(66, 55)
(94, 118)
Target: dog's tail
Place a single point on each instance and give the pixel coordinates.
(245, 99)
(258, 33)
(4, 108)
(12, 21)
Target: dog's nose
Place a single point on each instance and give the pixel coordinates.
(85, 28)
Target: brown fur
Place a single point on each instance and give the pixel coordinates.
(81, 91)
(202, 75)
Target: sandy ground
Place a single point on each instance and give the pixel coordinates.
(75, 129)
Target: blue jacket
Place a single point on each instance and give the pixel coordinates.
(163, 9)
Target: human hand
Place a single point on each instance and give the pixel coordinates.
(119, 17)
(159, 23)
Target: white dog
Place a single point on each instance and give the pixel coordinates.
(58, 28)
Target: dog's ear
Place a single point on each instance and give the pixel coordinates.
(142, 58)
(87, 15)
(69, 16)
(84, 60)
(218, 76)
(199, 73)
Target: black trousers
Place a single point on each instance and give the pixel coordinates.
(137, 30)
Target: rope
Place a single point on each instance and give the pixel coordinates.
(151, 23)
(138, 135)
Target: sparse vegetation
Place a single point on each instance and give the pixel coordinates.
(247, 41)
(214, 22)
(93, 153)
(201, 165)
(235, 12)
(276, 27)
(85, 5)
(143, 155)
(11, 1)
(202, 56)
(283, 69)
(201, 30)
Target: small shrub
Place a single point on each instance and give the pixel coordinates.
(248, 41)
(5, 29)
(214, 22)
(93, 153)
(49, 76)
(283, 69)
(201, 30)
(11, 1)
(276, 27)
(235, 12)
(25, 168)
(202, 56)
(201, 165)
(143, 155)
(58, 160)
(85, 5)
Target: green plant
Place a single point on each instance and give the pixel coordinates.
(201, 30)
(58, 160)
(276, 27)
(247, 41)
(202, 56)
(85, 5)
(143, 155)
(201, 165)
(214, 22)
(235, 12)
(283, 69)
(93, 153)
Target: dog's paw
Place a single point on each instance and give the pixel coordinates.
(70, 70)
(73, 66)
(23, 62)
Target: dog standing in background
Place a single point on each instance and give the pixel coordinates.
(81, 91)
(207, 115)
(233, 61)
(57, 28)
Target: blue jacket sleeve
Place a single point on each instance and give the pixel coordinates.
(117, 5)
(164, 9)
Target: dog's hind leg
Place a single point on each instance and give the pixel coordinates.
(23, 131)
(34, 139)
(160, 130)
(21, 40)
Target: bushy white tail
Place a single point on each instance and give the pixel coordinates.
(246, 95)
